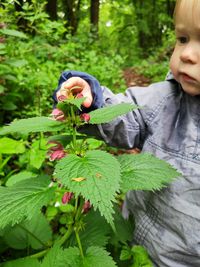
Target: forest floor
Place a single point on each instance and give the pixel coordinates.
(133, 78)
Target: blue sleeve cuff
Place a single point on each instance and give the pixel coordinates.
(94, 85)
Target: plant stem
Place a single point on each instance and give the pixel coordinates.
(39, 254)
(66, 235)
(79, 242)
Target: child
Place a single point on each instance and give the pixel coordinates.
(168, 126)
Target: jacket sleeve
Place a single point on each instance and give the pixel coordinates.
(132, 129)
(93, 82)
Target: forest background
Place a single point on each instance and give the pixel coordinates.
(40, 39)
(111, 40)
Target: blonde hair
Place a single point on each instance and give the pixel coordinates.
(180, 2)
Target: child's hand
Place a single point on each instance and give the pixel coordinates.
(76, 86)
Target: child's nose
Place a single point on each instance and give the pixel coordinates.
(189, 54)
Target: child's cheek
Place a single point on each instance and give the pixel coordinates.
(174, 66)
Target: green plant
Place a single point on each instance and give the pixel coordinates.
(66, 220)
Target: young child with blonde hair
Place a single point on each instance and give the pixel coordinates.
(168, 126)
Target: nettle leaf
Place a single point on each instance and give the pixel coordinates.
(22, 263)
(145, 172)
(10, 146)
(109, 113)
(77, 102)
(37, 153)
(98, 257)
(23, 175)
(31, 125)
(35, 233)
(57, 257)
(96, 231)
(23, 200)
(96, 176)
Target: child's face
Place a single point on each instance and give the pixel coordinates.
(185, 60)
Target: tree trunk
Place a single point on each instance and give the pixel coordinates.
(94, 16)
(51, 9)
(71, 10)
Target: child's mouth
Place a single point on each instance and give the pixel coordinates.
(187, 78)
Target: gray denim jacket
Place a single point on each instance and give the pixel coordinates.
(168, 126)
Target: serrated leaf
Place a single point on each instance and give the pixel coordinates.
(23, 175)
(145, 172)
(22, 263)
(98, 257)
(140, 257)
(11, 146)
(96, 231)
(77, 102)
(124, 228)
(31, 125)
(28, 233)
(109, 113)
(38, 152)
(102, 176)
(13, 33)
(57, 257)
(23, 200)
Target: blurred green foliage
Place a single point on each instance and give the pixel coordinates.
(34, 52)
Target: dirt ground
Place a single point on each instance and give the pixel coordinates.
(132, 78)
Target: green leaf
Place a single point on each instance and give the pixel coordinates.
(145, 172)
(95, 176)
(13, 33)
(77, 102)
(124, 228)
(24, 199)
(38, 153)
(98, 257)
(57, 257)
(109, 113)
(22, 263)
(70, 257)
(140, 257)
(29, 233)
(31, 125)
(96, 231)
(10, 146)
(23, 175)
(17, 63)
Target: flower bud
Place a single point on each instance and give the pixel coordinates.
(67, 197)
(62, 98)
(86, 207)
(56, 155)
(85, 117)
(58, 114)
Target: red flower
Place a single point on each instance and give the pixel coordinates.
(85, 117)
(86, 207)
(62, 98)
(57, 145)
(58, 114)
(57, 154)
(67, 197)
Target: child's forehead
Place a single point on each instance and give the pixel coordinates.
(188, 11)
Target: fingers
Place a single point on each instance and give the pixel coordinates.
(75, 85)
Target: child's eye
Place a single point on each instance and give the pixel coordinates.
(182, 39)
